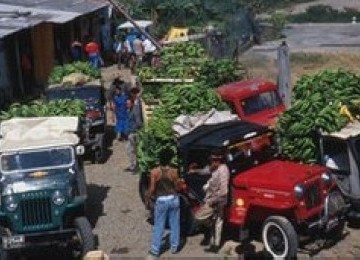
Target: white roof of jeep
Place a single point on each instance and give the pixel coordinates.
(38, 132)
(350, 130)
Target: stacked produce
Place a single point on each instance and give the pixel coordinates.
(59, 72)
(175, 100)
(218, 72)
(180, 61)
(42, 109)
(326, 101)
(189, 60)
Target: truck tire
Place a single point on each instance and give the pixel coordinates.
(4, 255)
(86, 237)
(337, 232)
(143, 185)
(279, 237)
(187, 222)
(99, 152)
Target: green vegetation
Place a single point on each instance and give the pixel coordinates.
(324, 101)
(43, 109)
(176, 100)
(278, 22)
(189, 60)
(325, 14)
(181, 60)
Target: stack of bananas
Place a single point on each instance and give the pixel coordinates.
(325, 101)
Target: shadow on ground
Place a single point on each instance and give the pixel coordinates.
(95, 202)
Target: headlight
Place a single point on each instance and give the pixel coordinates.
(11, 203)
(326, 177)
(58, 198)
(299, 191)
(8, 190)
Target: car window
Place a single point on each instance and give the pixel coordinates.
(39, 159)
(260, 102)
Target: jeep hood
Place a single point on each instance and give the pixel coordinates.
(277, 175)
(28, 184)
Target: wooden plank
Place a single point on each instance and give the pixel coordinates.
(148, 109)
(43, 53)
(159, 80)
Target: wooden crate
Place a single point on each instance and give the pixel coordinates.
(148, 109)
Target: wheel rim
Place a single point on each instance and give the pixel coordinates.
(275, 240)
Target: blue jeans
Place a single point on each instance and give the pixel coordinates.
(166, 208)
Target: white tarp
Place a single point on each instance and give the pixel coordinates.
(350, 130)
(37, 132)
(140, 23)
(184, 124)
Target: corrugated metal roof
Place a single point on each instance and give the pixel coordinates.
(16, 15)
(79, 6)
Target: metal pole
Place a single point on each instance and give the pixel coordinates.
(128, 17)
(284, 77)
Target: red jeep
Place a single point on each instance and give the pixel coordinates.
(253, 100)
(286, 199)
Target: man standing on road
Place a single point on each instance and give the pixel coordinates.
(134, 124)
(139, 49)
(215, 199)
(163, 185)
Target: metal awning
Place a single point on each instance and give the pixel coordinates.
(16, 15)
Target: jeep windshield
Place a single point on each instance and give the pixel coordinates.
(261, 102)
(91, 95)
(31, 160)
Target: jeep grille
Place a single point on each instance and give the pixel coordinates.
(313, 195)
(36, 212)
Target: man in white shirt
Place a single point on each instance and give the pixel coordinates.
(149, 49)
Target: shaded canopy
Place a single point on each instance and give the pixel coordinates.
(220, 135)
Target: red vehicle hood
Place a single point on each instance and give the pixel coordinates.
(277, 175)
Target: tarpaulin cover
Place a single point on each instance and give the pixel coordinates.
(38, 132)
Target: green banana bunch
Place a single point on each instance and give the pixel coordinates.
(59, 72)
(317, 102)
(61, 107)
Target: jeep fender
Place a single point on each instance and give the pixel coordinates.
(259, 210)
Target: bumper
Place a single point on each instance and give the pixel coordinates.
(354, 210)
(45, 238)
(334, 212)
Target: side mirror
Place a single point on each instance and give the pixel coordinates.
(80, 150)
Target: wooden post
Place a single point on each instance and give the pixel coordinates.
(19, 66)
(284, 78)
(128, 17)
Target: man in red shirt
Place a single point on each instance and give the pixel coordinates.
(93, 51)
